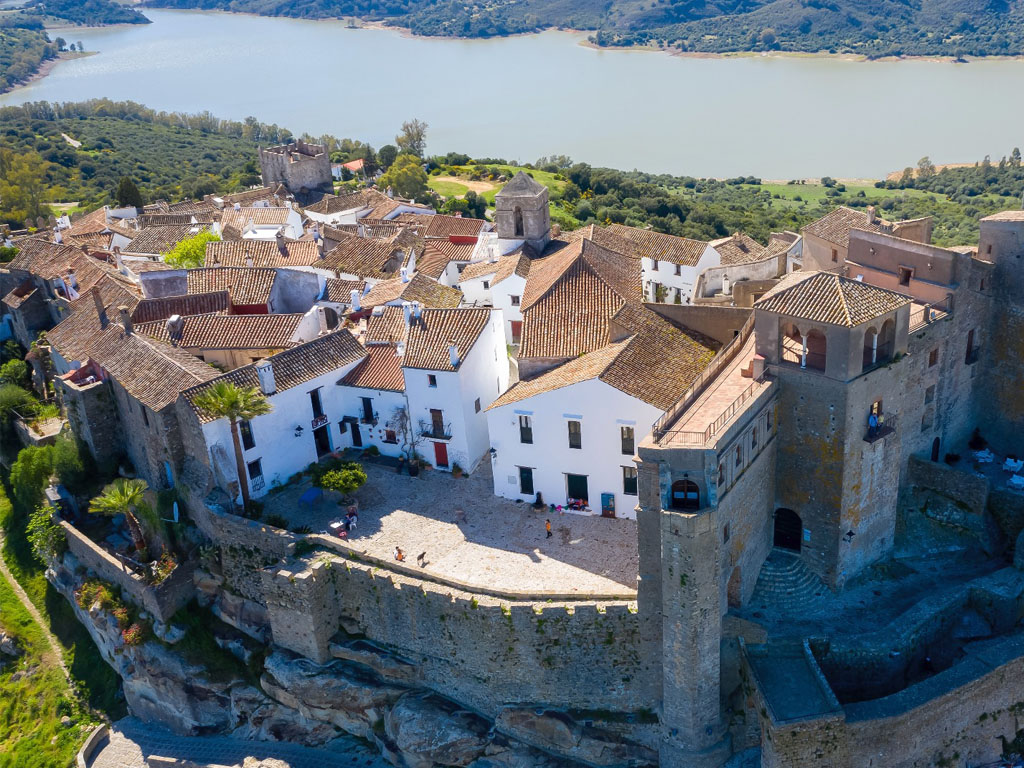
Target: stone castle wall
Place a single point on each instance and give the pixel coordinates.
(480, 650)
(309, 168)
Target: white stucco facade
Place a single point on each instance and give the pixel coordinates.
(602, 412)
(677, 279)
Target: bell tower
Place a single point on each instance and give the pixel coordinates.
(521, 212)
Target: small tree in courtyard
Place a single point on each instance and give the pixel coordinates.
(190, 253)
(127, 497)
(225, 400)
(347, 479)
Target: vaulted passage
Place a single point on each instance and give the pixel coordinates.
(788, 527)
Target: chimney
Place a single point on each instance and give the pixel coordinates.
(405, 274)
(119, 262)
(175, 327)
(265, 374)
(126, 320)
(280, 243)
(355, 300)
(453, 354)
(871, 214)
(321, 317)
(400, 349)
(407, 311)
(238, 206)
(417, 309)
(100, 310)
(57, 236)
(71, 279)
(248, 259)
(726, 286)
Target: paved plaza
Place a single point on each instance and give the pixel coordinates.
(472, 536)
(131, 741)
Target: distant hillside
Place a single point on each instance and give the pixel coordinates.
(870, 27)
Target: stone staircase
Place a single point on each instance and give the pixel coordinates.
(786, 586)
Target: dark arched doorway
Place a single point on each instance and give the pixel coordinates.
(935, 449)
(788, 528)
(685, 495)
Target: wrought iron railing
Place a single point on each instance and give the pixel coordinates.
(704, 437)
(725, 356)
(886, 426)
(926, 315)
(257, 483)
(437, 431)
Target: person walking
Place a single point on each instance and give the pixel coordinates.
(547, 527)
(421, 559)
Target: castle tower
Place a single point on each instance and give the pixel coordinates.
(521, 212)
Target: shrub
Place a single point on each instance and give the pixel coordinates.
(134, 635)
(123, 616)
(278, 521)
(93, 591)
(977, 442)
(45, 534)
(348, 479)
(164, 567)
(952, 458)
(14, 372)
(30, 473)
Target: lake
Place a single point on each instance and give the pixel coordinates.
(523, 97)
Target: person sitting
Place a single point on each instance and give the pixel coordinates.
(399, 555)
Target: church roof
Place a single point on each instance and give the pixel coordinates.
(522, 184)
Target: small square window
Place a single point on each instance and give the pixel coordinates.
(627, 437)
(679, 270)
(390, 436)
(255, 469)
(476, 405)
(487, 285)
(739, 456)
(514, 300)
(933, 357)
(835, 255)
(654, 265)
(629, 481)
(575, 434)
(905, 274)
(431, 380)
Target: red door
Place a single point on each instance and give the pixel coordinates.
(441, 454)
(517, 330)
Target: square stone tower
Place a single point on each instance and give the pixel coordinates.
(521, 212)
(301, 167)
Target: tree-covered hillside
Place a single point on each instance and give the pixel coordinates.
(869, 27)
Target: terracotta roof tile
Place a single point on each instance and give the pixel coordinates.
(386, 326)
(382, 369)
(161, 239)
(834, 227)
(340, 291)
(421, 288)
(738, 249)
(150, 310)
(240, 218)
(294, 366)
(218, 331)
(438, 253)
(826, 297)
(657, 245)
(365, 257)
(264, 253)
(443, 226)
(359, 200)
(247, 286)
(430, 335)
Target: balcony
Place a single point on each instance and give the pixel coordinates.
(319, 421)
(370, 419)
(886, 427)
(257, 483)
(436, 431)
(972, 355)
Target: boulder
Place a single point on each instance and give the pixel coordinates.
(8, 645)
(426, 731)
(558, 733)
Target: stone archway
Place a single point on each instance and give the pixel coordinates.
(935, 449)
(788, 529)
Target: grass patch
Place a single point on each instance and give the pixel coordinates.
(99, 684)
(547, 179)
(31, 735)
(200, 648)
(447, 188)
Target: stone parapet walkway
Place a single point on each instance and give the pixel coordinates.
(131, 741)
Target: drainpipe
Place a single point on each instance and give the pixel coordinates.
(803, 351)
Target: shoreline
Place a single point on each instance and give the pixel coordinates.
(47, 66)
(404, 31)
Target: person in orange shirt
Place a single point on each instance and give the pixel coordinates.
(547, 526)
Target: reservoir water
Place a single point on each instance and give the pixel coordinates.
(533, 95)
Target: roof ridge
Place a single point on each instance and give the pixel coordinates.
(159, 348)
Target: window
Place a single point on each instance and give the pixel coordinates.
(739, 456)
(525, 480)
(390, 436)
(679, 270)
(685, 495)
(933, 357)
(367, 408)
(876, 407)
(517, 218)
(575, 435)
(905, 274)
(721, 473)
(245, 428)
(970, 357)
(487, 285)
(318, 407)
(514, 300)
(342, 427)
(255, 469)
(629, 481)
(725, 534)
(835, 255)
(476, 405)
(431, 380)
(628, 442)
(145, 416)
(753, 438)
(526, 429)
(654, 265)
(929, 394)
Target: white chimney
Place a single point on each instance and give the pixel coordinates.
(321, 316)
(57, 236)
(417, 309)
(400, 349)
(405, 274)
(265, 374)
(355, 300)
(175, 327)
(453, 355)
(238, 206)
(407, 311)
(248, 259)
(726, 287)
(118, 261)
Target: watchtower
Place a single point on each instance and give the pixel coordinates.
(521, 212)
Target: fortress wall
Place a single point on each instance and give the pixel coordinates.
(479, 650)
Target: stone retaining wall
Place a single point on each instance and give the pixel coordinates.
(161, 600)
(478, 649)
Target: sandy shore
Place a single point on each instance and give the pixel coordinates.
(47, 66)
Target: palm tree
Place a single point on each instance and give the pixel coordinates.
(225, 400)
(126, 497)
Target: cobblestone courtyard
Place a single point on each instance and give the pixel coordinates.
(472, 536)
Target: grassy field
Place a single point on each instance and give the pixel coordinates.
(98, 684)
(465, 171)
(795, 194)
(445, 187)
